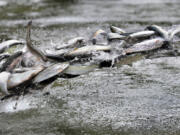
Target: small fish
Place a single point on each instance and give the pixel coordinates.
(104, 56)
(146, 45)
(75, 42)
(129, 59)
(19, 78)
(142, 34)
(160, 31)
(116, 30)
(56, 54)
(86, 50)
(21, 70)
(50, 72)
(99, 37)
(6, 44)
(4, 76)
(36, 52)
(112, 36)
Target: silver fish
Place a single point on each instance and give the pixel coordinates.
(102, 56)
(6, 44)
(129, 59)
(100, 37)
(21, 70)
(88, 50)
(159, 30)
(79, 69)
(4, 76)
(146, 45)
(112, 36)
(19, 78)
(50, 72)
(75, 42)
(57, 54)
(116, 30)
(142, 34)
(36, 52)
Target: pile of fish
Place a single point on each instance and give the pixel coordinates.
(31, 65)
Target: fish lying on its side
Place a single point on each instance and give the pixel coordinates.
(79, 69)
(12, 80)
(75, 42)
(114, 36)
(56, 54)
(141, 34)
(50, 72)
(86, 50)
(6, 44)
(146, 45)
(116, 30)
(19, 78)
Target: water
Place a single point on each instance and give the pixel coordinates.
(141, 98)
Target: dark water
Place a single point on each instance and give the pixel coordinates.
(138, 99)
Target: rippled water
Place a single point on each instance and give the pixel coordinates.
(141, 98)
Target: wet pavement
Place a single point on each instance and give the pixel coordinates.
(137, 99)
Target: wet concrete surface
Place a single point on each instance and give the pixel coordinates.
(139, 99)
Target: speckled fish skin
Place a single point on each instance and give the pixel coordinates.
(116, 30)
(88, 49)
(4, 76)
(75, 42)
(141, 34)
(18, 78)
(6, 44)
(50, 72)
(146, 45)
